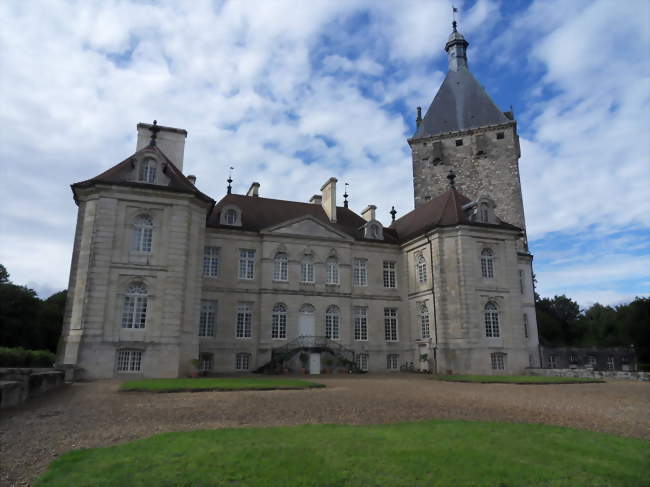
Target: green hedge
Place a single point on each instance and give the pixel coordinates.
(19, 357)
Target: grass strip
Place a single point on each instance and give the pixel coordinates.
(517, 379)
(216, 384)
(430, 453)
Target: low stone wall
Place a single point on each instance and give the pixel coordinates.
(591, 374)
(18, 384)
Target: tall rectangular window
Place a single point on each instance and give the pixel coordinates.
(362, 361)
(332, 272)
(207, 318)
(498, 360)
(525, 325)
(247, 264)
(360, 272)
(390, 324)
(610, 363)
(211, 262)
(425, 329)
(307, 269)
(389, 274)
(522, 287)
(360, 314)
(392, 361)
(244, 318)
(129, 360)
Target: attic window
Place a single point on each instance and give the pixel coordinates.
(427, 198)
(500, 135)
(231, 216)
(459, 142)
(147, 173)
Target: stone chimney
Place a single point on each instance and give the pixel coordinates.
(254, 190)
(369, 213)
(192, 179)
(316, 199)
(328, 190)
(170, 141)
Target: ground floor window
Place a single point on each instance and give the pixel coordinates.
(243, 361)
(392, 361)
(530, 360)
(610, 362)
(552, 361)
(129, 360)
(498, 361)
(362, 361)
(206, 362)
(592, 361)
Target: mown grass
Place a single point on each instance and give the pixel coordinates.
(216, 384)
(516, 379)
(431, 453)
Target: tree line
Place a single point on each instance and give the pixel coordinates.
(32, 323)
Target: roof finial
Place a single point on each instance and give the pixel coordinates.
(393, 213)
(451, 176)
(418, 119)
(345, 196)
(154, 132)
(453, 15)
(229, 189)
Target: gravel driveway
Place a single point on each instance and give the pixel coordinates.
(94, 414)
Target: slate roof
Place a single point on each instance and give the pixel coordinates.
(460, 104)
(119, 174)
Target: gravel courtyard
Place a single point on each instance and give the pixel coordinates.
(95, 414)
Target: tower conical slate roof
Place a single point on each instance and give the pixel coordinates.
(461, 102)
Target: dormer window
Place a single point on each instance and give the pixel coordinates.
(147, 172)
(230, 215)
(373, 230)
(484, 214)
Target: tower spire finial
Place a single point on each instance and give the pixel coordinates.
(345, 196)
(451, 177)
(229, 188)
(393, 213)
(154, 133)
(456, 46)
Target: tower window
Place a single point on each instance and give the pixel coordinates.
(500, 135)
(459, 142)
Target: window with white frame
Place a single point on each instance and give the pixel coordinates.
(552, 361)
(332, 271)
(487, 263)
(360, 272)
(211, 262)
(522, 286)
(421, 267)
(592, 361)
(491, 320)
(498, 360)
(360, 316)
(243, 361)
(231, 216)
(307, 269)
(425, 331)
(281, 267)
(129, 361)
(142, 233)
(134, 310)
(246, 263)
(333, 323)
(390, 280)
(362, 361)
(206, 362)
(244, 318)
(279, 322)
(392, 361)
(610, 362)
(147, 172)
(390, 324)
(207, 318)
(525, 325)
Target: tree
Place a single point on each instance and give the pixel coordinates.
(558, 320)
(4, 275)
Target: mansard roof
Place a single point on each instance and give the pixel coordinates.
(119, 174)
(260, 213)
(448, 209)
(460, 104)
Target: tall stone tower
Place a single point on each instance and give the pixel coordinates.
(464, 131)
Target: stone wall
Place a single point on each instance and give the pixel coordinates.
(591, 374)
(18, 385)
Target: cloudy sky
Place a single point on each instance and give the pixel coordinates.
(293, 92)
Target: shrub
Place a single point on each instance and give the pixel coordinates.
(19, 357)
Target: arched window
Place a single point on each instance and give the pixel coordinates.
(142, 233)
(147, 172)
(332, 271)
(231, 216)
(279, 321)
(491, 320)
(487, 264)
(484, 213)
(134, 312)
(333, 323)
(421, 267)
(281, 267)
(307, 269)
(424, 322)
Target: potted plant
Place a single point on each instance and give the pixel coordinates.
(304, 359)
(196, 365)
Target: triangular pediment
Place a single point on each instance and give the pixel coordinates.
(308, 227)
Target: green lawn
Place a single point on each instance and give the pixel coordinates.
(220, 384)
(431, 453)
(516, 379)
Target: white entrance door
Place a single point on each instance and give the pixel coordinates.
(306, 324)
(314, 363)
